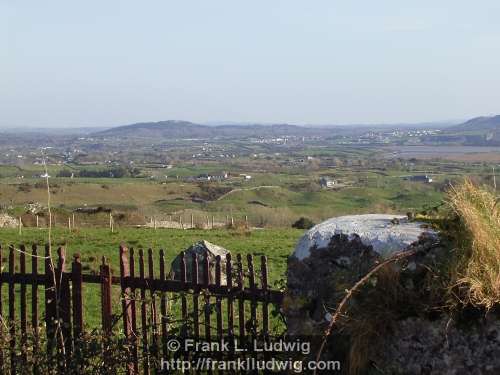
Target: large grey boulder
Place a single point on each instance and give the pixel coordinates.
(386, 234)
(200, 249)
(332, 256)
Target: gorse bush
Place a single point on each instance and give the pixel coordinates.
(303, 223)
(478, 243)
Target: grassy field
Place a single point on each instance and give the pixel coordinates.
(275, 201)
(93, 244)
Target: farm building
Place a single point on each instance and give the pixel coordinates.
(420, 178)
(327, 182)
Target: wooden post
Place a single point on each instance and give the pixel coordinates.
(154, 223)
(37, 224)
(73, 224)
(494, 179)
(180, 222)
(20, 226)
(111, 222)
(69, 223)
(246, 220)
(192, 221)
(232, 221)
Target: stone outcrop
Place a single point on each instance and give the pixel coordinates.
(332, 256)
(418, 346)
(384, 233)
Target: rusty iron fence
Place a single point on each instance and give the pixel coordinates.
(217, 297)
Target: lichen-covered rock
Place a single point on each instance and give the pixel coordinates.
(332, 256)
(384, 233)
(200, 248)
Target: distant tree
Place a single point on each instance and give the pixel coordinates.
(303, 223)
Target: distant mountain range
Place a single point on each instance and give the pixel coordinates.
(185, 129)
(477, 131)
(478, 124)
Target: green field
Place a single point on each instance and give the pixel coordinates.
(93, 244)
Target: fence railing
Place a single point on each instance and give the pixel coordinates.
(218, 298)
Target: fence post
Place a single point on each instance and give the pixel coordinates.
(105, 273)
(135, 354)
(163, 306)
(126, 303)
(1, 314)
(183, 295)
(34, 305)
(241, 302)
(23, 314)
(144, 316)
(194, 281)
(253, 306)
(50, 300)
(12, 311)
(206, 283)
(64, 300)
(106, 297)
(230, 311)
(153, 316)
(218, 299)
(76, 280)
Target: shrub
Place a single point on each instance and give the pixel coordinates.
(64, 173)
(477, 263)
(303, 223)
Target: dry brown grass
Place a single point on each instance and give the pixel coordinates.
(478, 255)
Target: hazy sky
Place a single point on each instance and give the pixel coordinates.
(100, 63)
